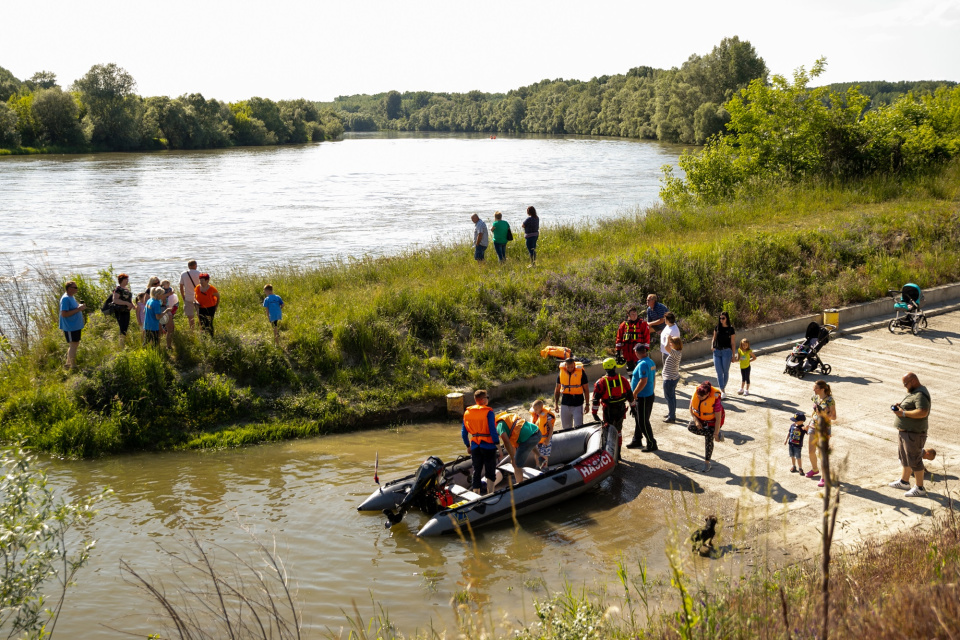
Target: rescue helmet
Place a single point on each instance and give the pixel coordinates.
(610, 364)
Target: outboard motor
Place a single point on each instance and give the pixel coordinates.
(423, 493)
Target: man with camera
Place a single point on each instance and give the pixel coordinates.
(911, 422)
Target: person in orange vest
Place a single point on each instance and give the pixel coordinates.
(544, 419)
(479, 434)
(707, 412)
(571, 397)
(631, 332)
(614, 393)
(519, 439)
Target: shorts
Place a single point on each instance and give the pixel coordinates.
(153, 337)
(173, 310)
(275, 323)
(478, 251)
(72, 336)
(545, 450)
(189, 308)
(525, 448)
(910, 449)
(796, 451)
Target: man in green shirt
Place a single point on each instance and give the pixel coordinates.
(911, 423)
(501, 235)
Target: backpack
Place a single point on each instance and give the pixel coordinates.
(509, 233)
(108, 308)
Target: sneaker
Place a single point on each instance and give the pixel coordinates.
(739, 392)
(916, 492)
(706, 466)
(634, 445)
(649, 448)
(670, 419)
(811, 473)
(745, 392)
(899, 484)
(723, 395)
(821, 483)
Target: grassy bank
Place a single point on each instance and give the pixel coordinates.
(364, 338)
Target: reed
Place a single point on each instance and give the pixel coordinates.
(362, 338)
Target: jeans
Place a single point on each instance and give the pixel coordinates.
(501, 249)
(721, 362)
(670, 393)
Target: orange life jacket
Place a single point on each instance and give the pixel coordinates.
(556, 352)
(702, 407)
(475, 421)
(543, 419)
(514, 425)
(571, 383)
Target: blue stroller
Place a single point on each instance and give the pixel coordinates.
(909, 316)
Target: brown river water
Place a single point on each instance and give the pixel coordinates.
(304, 495)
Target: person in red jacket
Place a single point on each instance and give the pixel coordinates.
(631, 332)
(614, 393)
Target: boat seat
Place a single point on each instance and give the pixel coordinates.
(465, 494)
(528, 473)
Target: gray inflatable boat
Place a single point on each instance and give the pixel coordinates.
(580, 459)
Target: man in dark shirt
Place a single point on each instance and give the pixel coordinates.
(912, 414)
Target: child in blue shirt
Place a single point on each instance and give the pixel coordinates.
(795, 441)
(273, 305)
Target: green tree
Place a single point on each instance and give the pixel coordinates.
(42, 80)
(56, 113)
(27, 126)
(113, 109)
(9, 84)
(393, 105)
(9, 135)
(40, 552)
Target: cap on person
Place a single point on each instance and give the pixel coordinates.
(799, 417)
(641, 347)
(610, 364)
(204, 276)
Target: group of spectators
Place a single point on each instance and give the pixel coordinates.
(156, 308)
(502, 234)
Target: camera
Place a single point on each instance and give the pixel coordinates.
(893, 407)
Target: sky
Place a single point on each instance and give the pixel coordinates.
(319, 49)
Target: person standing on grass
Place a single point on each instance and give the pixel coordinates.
(71, 321)
(479, 433)
(531, 231)
(655, 312)
(481, 238)
(153, 316)
(824, 413)
(122, 300)
(671, 376)
(630, 333)
(207, 300)
(571, 397)
(643, 383)
(745, 356)
(911, 420)
(171, 303)
(724, 337)
(273, 305)
(501, 235)
(670, 330)
(189, 280)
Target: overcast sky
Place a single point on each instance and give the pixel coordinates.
(320, 49)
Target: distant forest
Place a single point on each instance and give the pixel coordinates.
(684, 105)
(102, 112)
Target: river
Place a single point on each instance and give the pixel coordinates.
(254, 208)
(251, 208)
(304, 495)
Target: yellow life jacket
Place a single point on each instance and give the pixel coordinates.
(543, 419)
(514, 425)
(702, 407)
(571, 383)
(556, 352)
(475, 421)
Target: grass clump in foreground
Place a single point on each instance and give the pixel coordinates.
(364, 338)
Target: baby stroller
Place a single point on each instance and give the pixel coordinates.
(909, 316)
(805, 356)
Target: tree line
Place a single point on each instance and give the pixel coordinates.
(102, 112)
(788, 131)
(679, 105)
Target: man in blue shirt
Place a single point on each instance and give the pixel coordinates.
(643, 383)
(71, 321)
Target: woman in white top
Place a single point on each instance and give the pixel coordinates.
(671, 376)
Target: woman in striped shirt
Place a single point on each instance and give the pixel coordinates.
(671, 376)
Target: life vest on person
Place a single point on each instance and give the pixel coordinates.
(571, 384)
(556, 352)
(514, 425)
(702, 406)
(542, 419)
(475, 422)
(616, 389)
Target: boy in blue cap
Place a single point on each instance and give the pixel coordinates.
(795, 441)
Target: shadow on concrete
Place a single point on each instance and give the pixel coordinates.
(761, 485)
(736, 437)
(861, 380)
(933, 334)
(894, 498)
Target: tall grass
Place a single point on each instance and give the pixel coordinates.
(362, 338)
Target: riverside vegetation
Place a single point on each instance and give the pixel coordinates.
(784, 234)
